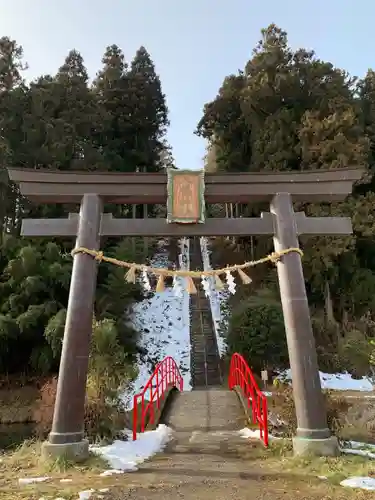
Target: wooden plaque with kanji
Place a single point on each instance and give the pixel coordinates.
(186, 196)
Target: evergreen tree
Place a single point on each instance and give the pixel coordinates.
(12, 104)
(79, 120)
(111, 92)
(289, 110)
(149, 114)
(59, 122)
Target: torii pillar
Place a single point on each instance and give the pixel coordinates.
(313, 436)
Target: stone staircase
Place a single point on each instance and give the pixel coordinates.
(205, 358)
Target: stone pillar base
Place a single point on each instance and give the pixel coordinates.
(76, 452)
(328, 447)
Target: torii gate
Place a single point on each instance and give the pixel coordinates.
(91, 190)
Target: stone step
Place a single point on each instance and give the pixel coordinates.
(209, 410)
(220, 442)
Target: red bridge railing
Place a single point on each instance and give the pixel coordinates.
(165, 376)
(241, 376)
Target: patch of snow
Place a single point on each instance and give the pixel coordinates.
(359, 445)
(31, 480)
(66, 480)
(364, 396)
(217, 298)
(247, 433)
(163, 321)
(364, 483)
(275, 420)
(357, 448)
(126, 455)
(86, 494)
(337, 381)
(112, 472)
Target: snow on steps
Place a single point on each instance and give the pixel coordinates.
(163, 320)
(217, 298)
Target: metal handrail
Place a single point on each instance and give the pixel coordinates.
(165, 376)
(242, 377)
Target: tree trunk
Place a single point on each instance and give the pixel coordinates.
(145, 239)
(330, 317)
(134, 216)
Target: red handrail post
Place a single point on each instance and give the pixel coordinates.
(135, 417)
(157, 390)
(143, 413)
(152, 411)
(265, 414)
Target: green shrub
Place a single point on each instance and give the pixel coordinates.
(354, 352)
(257, 332)
(343, 348)
(110, 373)
(34, 289)
(326, 339)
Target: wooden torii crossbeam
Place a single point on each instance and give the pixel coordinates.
(45, 186)
(245, 226)
(91, 190)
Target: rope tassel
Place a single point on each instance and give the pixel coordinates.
(246, 280)
(160, 286)
(130, 276)
(219, 285)
(190, 286)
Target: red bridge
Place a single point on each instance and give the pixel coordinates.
(166, 379)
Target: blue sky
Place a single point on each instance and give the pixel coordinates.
(194, 44)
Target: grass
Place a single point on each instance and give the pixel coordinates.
(279, 456)
(334, 469)
(26, 462)
(309, 477)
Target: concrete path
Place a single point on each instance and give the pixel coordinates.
(207, 459)
(218, 465)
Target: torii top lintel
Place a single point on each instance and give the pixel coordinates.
(45, 186)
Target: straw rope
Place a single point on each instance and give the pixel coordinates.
(164, 272)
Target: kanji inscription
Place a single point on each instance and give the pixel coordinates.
(185, 195)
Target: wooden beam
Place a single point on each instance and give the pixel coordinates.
(143, 188)
(50, 227)
(323, 225)
(212, 227)
(315, 226)
(50, 176)
(149, 227)
(160, 227)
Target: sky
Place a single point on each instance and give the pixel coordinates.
(194, 45)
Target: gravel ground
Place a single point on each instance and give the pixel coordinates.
(207, 466)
